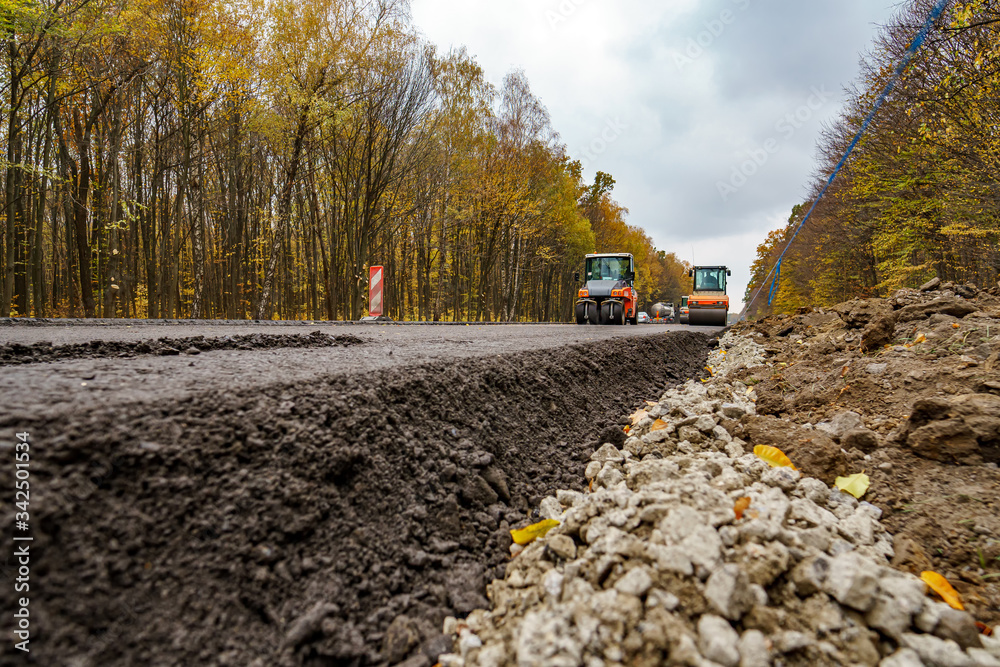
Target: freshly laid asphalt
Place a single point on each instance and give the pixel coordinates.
(43, 391)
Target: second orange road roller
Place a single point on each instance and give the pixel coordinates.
(709, 304)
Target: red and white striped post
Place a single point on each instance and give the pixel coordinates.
(375, 291)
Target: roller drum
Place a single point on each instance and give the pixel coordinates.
(708, 317)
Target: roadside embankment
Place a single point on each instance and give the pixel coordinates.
(689, 549)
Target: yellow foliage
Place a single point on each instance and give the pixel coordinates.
(942, 587)
(856, 485)
(773, 457)
(528, 535)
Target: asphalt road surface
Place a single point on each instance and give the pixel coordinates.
(47, 390)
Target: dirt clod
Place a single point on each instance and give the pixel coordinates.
(965, 429)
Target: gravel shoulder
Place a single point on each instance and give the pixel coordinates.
(715, 533)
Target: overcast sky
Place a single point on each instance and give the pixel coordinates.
(675, 98)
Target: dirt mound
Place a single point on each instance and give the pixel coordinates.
(16, 353)
(907, 388)
(336, 523)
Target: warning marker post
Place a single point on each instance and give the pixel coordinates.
(375, 291)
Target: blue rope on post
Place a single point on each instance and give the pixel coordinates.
(911, 52)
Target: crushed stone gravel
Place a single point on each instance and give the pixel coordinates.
(691, 550)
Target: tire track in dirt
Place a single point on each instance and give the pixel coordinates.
(18, 353)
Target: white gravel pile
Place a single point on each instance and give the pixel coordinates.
(736, 352)
(653, 567)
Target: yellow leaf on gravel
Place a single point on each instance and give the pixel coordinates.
(940, 585)
(659, 425)
(773, 457)
(920, 339)
(528, 535)
(638, 416)
(856, 485)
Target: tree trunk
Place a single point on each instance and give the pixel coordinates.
(13, 128)
(284, 215)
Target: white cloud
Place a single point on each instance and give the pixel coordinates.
(689, 123)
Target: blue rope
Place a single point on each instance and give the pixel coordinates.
(911, 52)
(774, 285)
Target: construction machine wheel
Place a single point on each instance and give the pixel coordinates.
(594, 313)
(606, 313)
(612, 312)
(617, 314)
(581, 313)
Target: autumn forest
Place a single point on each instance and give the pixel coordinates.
(921, 195)
(220, 159)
